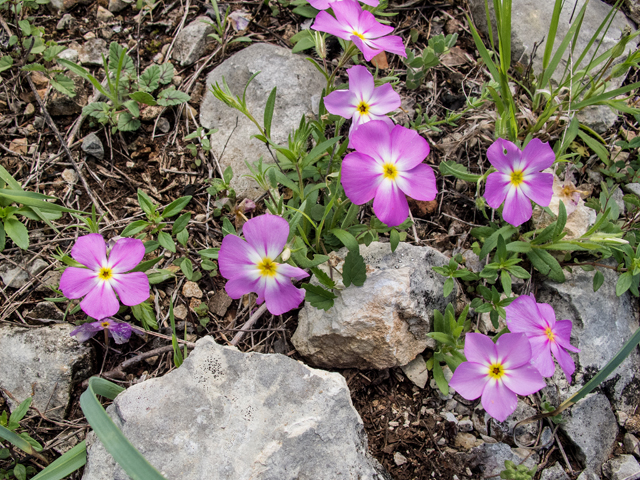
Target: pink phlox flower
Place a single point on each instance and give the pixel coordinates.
(119, 331)
(546, 335)
(324, 4)
(567, 192)
(359, 26)
(497, 372)
(363, 101)
(386, 166)
(104, 277)
(250, 266)
(519, 178)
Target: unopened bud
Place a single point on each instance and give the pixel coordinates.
(286, 254)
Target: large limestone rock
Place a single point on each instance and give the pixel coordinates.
(299, 86)
(229, 415)
(602, 324)
(530, 25)
(47, 362)
(489, 459)
(382, 324)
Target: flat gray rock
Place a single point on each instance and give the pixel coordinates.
(624, 467)
(383, 323)
(191, 41)
(592, 428)
(226, 415)
(17, 277)
(602, 324)
(530, 25)
(90, 54)
(299, 84)
(92, 145)
(47, 361)
(489, 458)
(554, 473)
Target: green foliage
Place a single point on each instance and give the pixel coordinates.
(418, 65)
(9, 432)
(517, 472)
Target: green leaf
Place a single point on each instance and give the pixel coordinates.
(458, 171)
(20, 472)
(442, 338)
(147, 205)
(144, 313)
(354, 269)
(505, 279)
(268, 111)
(323, 278)
(624, 282)
(16, 440)
(176, 206)
(598, 280)
(143, 97)
(227, 227)
(319, 297)
(394, 240)
(347, 239)
(438, 376)
(146, 265)
(596, 146)
(187, 268)
(126, 122)
(170, 97)
(64, 85)
(166, 241)
(127, 456)
(305, 11)
(561, 222)
(82, 72)
(519, 247)
(181, 223)
(6, 62)
(134, 228)
(448, 286)
(3, 238)
(17, 232)
(66, 464)
(19, 412)
(352, 215)
(166, 73)
(133, 108)
(115, 52)
(546, 264)
(303, 44)
(150, 79)
(159, 276)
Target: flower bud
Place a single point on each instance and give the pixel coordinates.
(286, 254)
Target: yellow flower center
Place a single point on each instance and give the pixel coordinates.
(267, 267)
(496, 371)
(104, 324)
(359, 35)
(517, 178)
(389, 171)
(363, 108)
(550, 335)
(105, 273)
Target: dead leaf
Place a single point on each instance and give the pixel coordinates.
(455, 57)
(380, 61)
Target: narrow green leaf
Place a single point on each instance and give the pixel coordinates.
(598, 280)
(596, 146)
(166, 241)
(268, 111)
(459, 171)
(181, 223)
(624, 282)
(323, 278)
(347, 239)
(145, 202)
(68, 463)
(448, 286)
(16, 440)
(438, 376)
(176, 206)
(442, 338)
(561, 222)
(394, 240)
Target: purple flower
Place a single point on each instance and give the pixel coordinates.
(497, 372)
(363, 102)
(518, 178)
(119, 331)
(361, 27)
(387, 165)
(546, 336)
(324, 4)
(250, 266)
(103, 275)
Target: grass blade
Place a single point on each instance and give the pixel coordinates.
(66, 464)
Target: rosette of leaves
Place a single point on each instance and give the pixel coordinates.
(418, 65)
(125, 91)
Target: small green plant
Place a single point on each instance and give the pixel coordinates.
(222, 26)
(517, 472)
(418, 65)
(9, 432)
(125, 90)
(204, 138)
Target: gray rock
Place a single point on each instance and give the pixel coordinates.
(624, 467)
(382, 324)
(230, 415)
(50, 279)
(526, 434)
(632, 444)
(103, 15)
(46, 361)
(633, 188)
(416, 371)
(191, 41)
(554, 473)
(70, 54)
(490, 458)
(46, 311)
(16, 277)
(598, 332)
(91, 145)
(530, 24)
(588, 474)
(90, 54)
(65, 22)
(592, 428)
(297, 81)
(116, 6)
(163, 125)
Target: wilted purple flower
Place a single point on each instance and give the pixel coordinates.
(119, 331)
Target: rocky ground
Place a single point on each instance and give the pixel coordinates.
(364, 408)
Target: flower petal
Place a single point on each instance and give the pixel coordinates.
(498, 401)
(326, 23)
(408, 148)
(390, 204)
(547, 314)
(367, 51)
(341, 102)
(281, 296)
(504, 162)
(370, 28)
(347, 13)
(239, 286)
(418, 183)
(564, 360)
(524, 381)
(517, 207)
(100, 302)
(371, 3)
(320, 4)
(513, 350)
(383, 100)
(120, 331)
(91, 251)
(126, 254)
(236, 256)
(469, 380)
(480, 349)
(541, 355)
(562, 331)
(496, 189)
(391, 44)
(267, 234)
(85, 331)
(77, 282)
(523, 316)
(373, 139)
(132, 288)
(289, 271)
(361, 176)
(537, 156)
(360, 83)
(538, 187)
